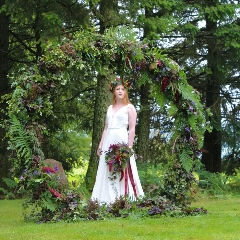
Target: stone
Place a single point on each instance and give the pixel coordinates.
(63, 182)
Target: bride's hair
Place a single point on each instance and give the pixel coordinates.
(125, 99)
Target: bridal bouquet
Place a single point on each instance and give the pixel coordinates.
(117, 158)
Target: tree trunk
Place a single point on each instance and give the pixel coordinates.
(101, 103)
(212, 141)
(4, 88)
(108, 13)
(143, 128)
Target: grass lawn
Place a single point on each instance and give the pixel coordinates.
(222, 222)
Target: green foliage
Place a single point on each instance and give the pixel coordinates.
(20, 140)
(10, 192)
(217, 184)
(213, 184)
(178, 183)
(220, 12)
(234, 181)
(186, 160)
(87, 53)
(47, 199)
(151, 178)
(70, 147)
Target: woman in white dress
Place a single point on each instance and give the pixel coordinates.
(119, 128)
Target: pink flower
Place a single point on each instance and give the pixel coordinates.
(55, 193)
(48, 170)
(159, 63)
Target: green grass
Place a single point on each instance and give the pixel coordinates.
(222, 222)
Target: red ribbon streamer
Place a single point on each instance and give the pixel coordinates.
(128, 173)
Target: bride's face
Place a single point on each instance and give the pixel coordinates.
(119, 92)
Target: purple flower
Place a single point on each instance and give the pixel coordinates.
(190, 109)
(36, 172)
(73, 204)
(134, 53)
(187, 129)
(58, 178)
(56, 168)
(21, 178)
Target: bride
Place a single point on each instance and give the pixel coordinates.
(119, 128)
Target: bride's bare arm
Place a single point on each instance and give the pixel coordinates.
(132, 118)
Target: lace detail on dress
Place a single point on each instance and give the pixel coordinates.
(119, 119)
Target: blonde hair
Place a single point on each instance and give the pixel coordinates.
(125, 99)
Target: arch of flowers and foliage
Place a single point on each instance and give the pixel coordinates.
(86, 52)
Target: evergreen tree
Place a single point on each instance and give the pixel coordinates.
(4, 89)
(24, 30)
(107, 15)
(209, 53)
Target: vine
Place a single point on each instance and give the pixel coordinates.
(88, 53)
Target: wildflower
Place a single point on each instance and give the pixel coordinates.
(21, 178)
(35, 172)
(113, 146)
(48, 170)
(190, 109)
(56, 168)
(165, 83)
(187, 129)
(159, 63)
(55, 193)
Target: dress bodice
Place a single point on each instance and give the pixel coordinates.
(119, 119)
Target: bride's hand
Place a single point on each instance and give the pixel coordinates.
(99, 151)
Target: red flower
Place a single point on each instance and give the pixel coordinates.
(113, 146)
(55, 193)
(118, 158)
(48, 170)
(177, 97)
(165, 83)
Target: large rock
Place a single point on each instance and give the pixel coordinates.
(58, 165)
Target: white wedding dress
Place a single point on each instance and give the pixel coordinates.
(106, 190)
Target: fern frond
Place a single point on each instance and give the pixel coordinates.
(20, 139)
(192, 120)
(186, 160)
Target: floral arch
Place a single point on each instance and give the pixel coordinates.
(118, 51)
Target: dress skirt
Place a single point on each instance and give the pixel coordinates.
(106, 190)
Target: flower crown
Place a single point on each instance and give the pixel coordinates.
(119, 81)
